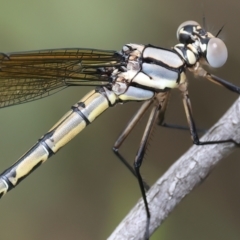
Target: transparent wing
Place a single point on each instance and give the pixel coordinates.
(27, 76)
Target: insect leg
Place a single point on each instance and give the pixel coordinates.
(132, 123)
(223, 83)
(139, 158)
(215, 79)
(191, 123)
(161, 117)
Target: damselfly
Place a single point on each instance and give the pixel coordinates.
(136, 73)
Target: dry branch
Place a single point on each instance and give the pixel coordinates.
(182, 177)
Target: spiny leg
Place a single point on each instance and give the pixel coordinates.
(199, 71)
(139, 158)
(191, 123)
(141, 151)
(161, 117)
(132, 123)
(156, 115)
(163, 97)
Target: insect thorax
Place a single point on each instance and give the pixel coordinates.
(149, 68)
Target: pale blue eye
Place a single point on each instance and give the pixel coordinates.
(216, 52)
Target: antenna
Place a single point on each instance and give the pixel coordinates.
(219, 31)
(203, 17)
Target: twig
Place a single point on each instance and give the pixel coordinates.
(181, 178)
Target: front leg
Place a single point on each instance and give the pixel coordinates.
(191, 123)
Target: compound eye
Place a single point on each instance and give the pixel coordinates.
(188, 25)
(216, 53)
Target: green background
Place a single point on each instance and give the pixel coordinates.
(83, 192)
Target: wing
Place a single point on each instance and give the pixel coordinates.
(27, 76)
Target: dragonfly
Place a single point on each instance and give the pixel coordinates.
(142, 73)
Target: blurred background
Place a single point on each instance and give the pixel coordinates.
(83, 192)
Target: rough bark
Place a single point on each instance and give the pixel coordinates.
(182, 177)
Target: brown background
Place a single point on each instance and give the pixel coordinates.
(83, 192)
